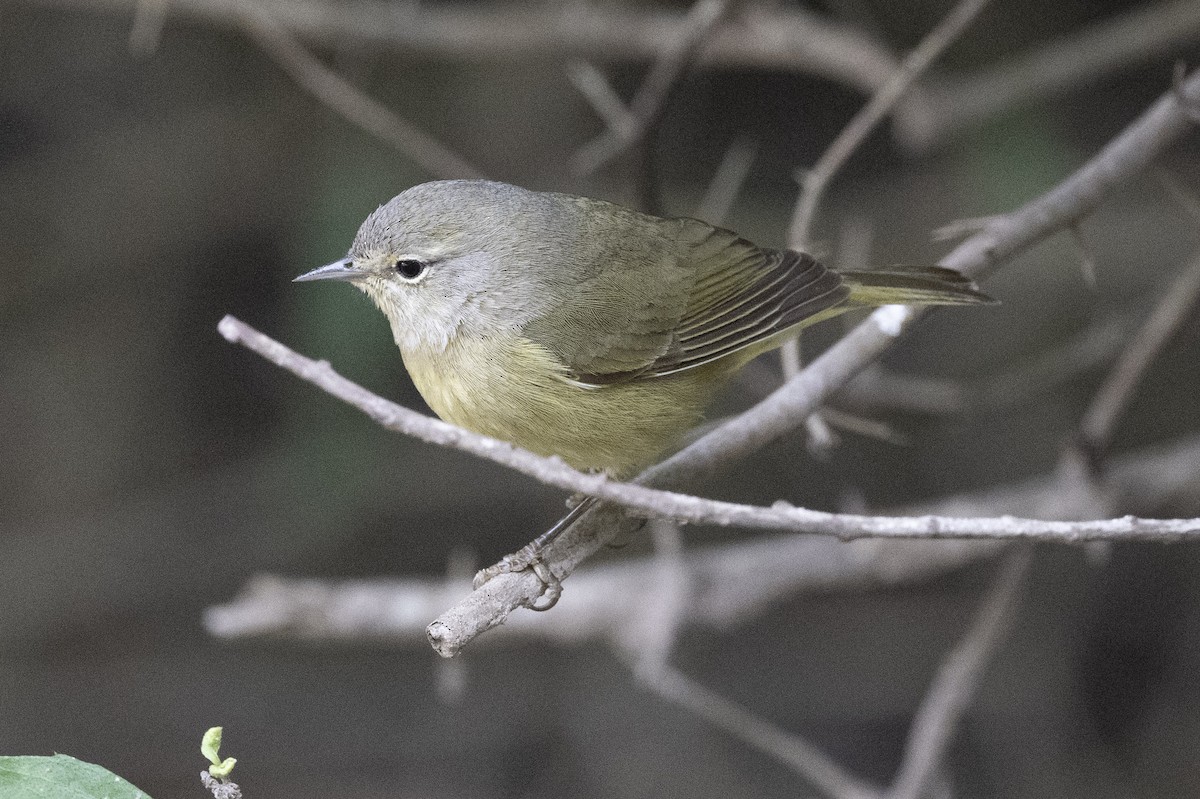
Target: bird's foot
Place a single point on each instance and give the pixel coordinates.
(528, 557)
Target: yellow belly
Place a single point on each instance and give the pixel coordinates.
(513, 389)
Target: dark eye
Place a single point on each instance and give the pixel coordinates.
(409, 268)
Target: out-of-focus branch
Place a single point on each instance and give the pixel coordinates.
(654, 502)
(604, 100)
(353, 104)
(814, 182)
(1137, 37)
(727, 182)
(957, 682)
(146, 31)
(781, 38)
(613, 597)
(793, 751)
(649, 103)
(1087, 350)
(1178, 301)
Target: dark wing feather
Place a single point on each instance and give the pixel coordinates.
(740, 296)
(777, 292)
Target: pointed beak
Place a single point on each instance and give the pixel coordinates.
(338, 270)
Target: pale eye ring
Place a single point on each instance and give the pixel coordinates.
(410, 268)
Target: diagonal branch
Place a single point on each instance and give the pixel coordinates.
(727, 182)
(790, 749)
(655, 502)
(958, 680)
(346, 99)
(1088, 349)
(602, 97)
(814, 181)
(613, 596)
(1145, 34)
(1178, 301)
(852, 136)
(647, 106)
(782, 38)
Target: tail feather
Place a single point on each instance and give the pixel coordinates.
(913, 285)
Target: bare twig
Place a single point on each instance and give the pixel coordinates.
(654, 502)
(1190, 107)
(1180, 298)
(783, 38)
(650, 100)
(648, 643)
(614, 596)
(871, 428)
(220, 789)
(815, 180)
(1187, 200)
(596, 89)
(725, 185)
(344, 98)
(605, 602)
(788, 748)
(961, 228)
(146, 31)
(1137, 37)
(957, 682)
(1038, 373)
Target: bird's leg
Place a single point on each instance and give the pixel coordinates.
(530, 557)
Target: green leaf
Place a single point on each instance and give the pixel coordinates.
(61, 777)
(210, 745)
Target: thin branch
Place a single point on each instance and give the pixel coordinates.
(782, 38)
(728, 180)
(1178, 301)
(600, 94)
(648, 643)
(957, 682)
(1086, 350)
(1140, 36)
(1190, 107)
(344, 98)
(788, 748)
(658, 503)
(1187, 200)
(814, 181)
(649, 102)
(146, 31)
(613, 596)
(870, 428)
(961, 228)
(604, 601)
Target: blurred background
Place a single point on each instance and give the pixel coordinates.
(154, 178)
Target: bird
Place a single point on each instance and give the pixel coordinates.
(586, 330)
